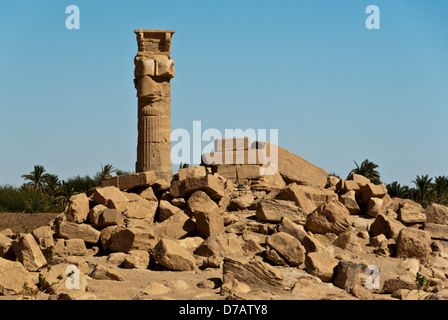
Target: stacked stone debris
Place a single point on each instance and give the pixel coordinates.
(331, 238)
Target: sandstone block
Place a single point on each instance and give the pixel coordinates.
(232, 144)
(110, 197)
(173, 256)
(412, 242)
(142, 209)
(136, 259)
(436, 213)
(6, 250)
(348, 241)
(13, 276)
(70, 230)
(387, 226)
(207, 214)
(210, 184)
(273, 210)
(411, 214)
(330, 217)
(294, 229)
(221, 245)
(166, 210)
(78, 208)
(248, 171)
(192, 172)
(321, 265)
(437, 231)
(44, 237)
(28, 252)
(349, 201)
(288, 247)
(254, 273)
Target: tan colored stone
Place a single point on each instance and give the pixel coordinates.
(6, 250)
(437, 231)
(321, 265)
(28, 252)
(254, 273)
(110, 197)
(136, 259)
(412, 242)
(348, 241)
(387, 226)
(75, 247)
(232, 144)
(44, 237)
(70, 230)
(288, 247)
(142, 209)
(173, 256)
(192, 172)
(166, 210)
(78, 208)
(248, 171)
(411, 214)
(13, 276)
(273, 210)
(348, 199)
(210, 184)
(330, 217)
(436, 213)
(221, 245)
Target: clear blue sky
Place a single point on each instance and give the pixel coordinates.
(336, 91)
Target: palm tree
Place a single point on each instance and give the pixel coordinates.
(440, 189)
(395, 190)
(36, 178)
(50, 184)
(367, 169)
(423, 188)
(105, 173)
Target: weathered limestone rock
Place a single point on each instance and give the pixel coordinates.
(437, 231)
(13, 276)
(70, 230)
(348, 241)
(292, 167)
(101, 272)
(387, 226)
(192, 172)
(166, 210)
(295, 193)
(141, 209)
(288, 247)
(359, 179)
(273, 210)
(409, 214)
(221, 245)
(6, 250)
(153, 72)
(254, 273)
(110, 197)
(242, 202)
(294, 229)
(207, 214)
(375, 207)
(44, 237)
(131, 181)
(136, 259)
(210, 184)
(78, 208)
(412, 242)
(321, 265)
(28, 252)
(436, 213)
(350, 272)
(371, 190)
(173, 256)
(330, 217)
(75, 247)
(348, 199)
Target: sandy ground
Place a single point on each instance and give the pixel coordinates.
(25, 222)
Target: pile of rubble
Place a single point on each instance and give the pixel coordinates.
(283, 235)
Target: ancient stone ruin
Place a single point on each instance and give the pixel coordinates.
(297, 233)
(153, 71)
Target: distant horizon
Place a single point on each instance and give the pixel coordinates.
(336, 91)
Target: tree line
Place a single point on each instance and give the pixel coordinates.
(45, 192)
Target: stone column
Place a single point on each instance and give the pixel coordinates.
(153, 72)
